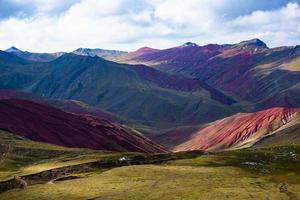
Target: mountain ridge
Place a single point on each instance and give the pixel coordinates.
(241, 130)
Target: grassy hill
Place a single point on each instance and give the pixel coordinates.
(21, 156)
(244, 174)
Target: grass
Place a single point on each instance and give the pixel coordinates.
(242, 174)
(19, 156)
(160, 182)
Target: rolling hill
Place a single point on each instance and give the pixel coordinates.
(64, 173)
(241, 130)
(43, 123)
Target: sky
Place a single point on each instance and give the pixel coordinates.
(56, 25)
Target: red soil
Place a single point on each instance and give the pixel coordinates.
(232, 131)
(141, 51)
(43, 123)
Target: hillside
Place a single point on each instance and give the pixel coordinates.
(133, 92)
(238, 131)
(85, 174)
(20, 156)
(43, 123)
(246, 71)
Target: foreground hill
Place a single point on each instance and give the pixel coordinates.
(272, 126)
(249, 71)
(47, 124)
(21, 156)
(63, 173)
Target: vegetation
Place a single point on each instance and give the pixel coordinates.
(269, 173)
(21, 157)
(133, 93)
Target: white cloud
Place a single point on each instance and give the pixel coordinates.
(279, 27)
(129, 24)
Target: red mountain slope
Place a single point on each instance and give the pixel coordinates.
(70, 106)
(248, 71)
(181, 55)
(141, 51)
(238, 131)
(47, 124)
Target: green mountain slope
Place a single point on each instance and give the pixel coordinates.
(142, 96)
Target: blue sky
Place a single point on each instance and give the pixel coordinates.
(55, 25)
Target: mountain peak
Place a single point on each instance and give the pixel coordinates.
(190, 44)
(141, 51)
(145, 49)
(253, 42)
(12, 49)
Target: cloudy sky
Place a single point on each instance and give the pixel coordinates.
(49, 26)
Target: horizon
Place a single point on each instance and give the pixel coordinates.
(126, 25)
(24, 50)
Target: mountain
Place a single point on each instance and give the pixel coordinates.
(190, 44)
(99, 52)
(35, 57)
(288, 135)
(43, 123)
(133, 92)
(188, 84)
(7, 59)
(47, 57)
(12, 50)
(249, 71)
(142, 51)
(71, 106)
(237, 131)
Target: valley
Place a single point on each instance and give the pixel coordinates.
(212, 121)
(257, 173)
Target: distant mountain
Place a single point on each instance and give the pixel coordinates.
(190, 44)
(103, 53)
(141, 96)
(8, 60)
(267, 127)
(248, 71)
(43, 123)
(254, 43)
(188, 84)
(47, 57)
(35, 57)
(141, 51)
(12, 50)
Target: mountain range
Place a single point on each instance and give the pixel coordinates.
(250, 71)
(133, 92)
(46, 57)
(212, 97)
